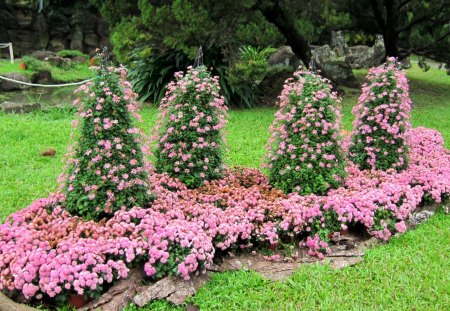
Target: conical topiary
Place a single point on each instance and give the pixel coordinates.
(190, 138)
(380, 130)
(106, 171)
(304, 151)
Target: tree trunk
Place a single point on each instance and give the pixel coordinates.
(275, 14)
(390, 35)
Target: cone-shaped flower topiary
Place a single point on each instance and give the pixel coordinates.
(190, 140)
(381, 127)
(105, 171)
(304, 151)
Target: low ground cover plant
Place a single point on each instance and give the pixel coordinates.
(44, 251)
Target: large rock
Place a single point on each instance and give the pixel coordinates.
(76, 42)
(42, 55)
(338, 43)
(42, 77)
(334, 67)
(91, 39)
(362, 56)
(7, 86)
(8, 107)
(57, 44)
(7, 304)
(283, 56)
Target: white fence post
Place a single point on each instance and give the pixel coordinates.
(11, 53)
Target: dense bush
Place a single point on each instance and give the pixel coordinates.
(382, 124)
(44, 251)
(107, 171)
(304, 150)
(150, 75)
(72, 54)
(190, 140)
(35, 64)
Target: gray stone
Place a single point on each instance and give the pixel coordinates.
(420, 217)
(283, 56)
(405, 63)
(334, 67)
(362, 56)
(54, 60)
(338, 43)
(379, 51)
(76, 42)
(7, 304)
(6, 86)
(42, 77)
(24, 18)
(8, 107)
(57, 44)
(42, 55)
(91, 40)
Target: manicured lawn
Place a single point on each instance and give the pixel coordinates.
(78, 72)
(412, 272)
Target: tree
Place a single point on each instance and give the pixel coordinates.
(421, 27)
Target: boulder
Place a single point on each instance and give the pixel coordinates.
(8, 107)
(76, 42)
(54, 60)
(24, 18)
(362, 56)
(334, 67)
(379, 51)
(7, 304)
(42, 55)
(42, 77)
(338, 43)
(57, 44)
(283, 56)
(7, 86)
(405, 63)
(91, 39)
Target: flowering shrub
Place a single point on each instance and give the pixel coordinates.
(304, 150)
(46, 251)
(106, 170)
(380, 131)
(189, 130)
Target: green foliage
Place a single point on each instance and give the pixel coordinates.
(35, 64)
(72, 54)
(107, 172)
(380, 130)
(190, 141)
(249, 70)
(126, 36)
(305, 155)
(150, 76)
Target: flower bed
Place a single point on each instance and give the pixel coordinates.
(44, 251)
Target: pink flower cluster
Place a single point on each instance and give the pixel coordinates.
(46, 251)
(305, 154)
(382, 124)
(189, 133)
(105, 169)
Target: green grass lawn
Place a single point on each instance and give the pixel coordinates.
(412, 272)
(78, 72)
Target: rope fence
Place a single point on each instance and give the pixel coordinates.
(44, 85)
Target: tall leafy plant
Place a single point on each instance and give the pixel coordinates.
(106, 171)
(381, 128)
(305, 154)
(190, 141)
